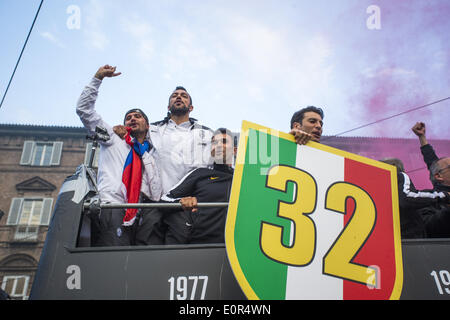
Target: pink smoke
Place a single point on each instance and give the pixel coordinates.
(406, 66)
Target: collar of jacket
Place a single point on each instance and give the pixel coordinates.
(223, 167)
(442, 187)
(167, 118)
(193, 121)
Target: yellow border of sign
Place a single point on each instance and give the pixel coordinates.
(236, 188)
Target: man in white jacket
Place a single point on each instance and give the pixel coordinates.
(181, 144)
(127, 170)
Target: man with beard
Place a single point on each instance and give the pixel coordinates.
(127, 170)
(181, 144)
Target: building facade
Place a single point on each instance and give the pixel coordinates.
(35, 160)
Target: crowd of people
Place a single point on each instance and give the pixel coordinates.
(178, 160)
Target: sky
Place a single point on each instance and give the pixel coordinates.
(359, 60)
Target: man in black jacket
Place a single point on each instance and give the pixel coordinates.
(412, 202)
(211, 184)
(436, 217)
(438, 167)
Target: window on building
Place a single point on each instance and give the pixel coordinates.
(37, 153)
(16, 286)
(42, 154)
(27, 214)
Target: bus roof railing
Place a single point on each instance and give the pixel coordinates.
(155, 205)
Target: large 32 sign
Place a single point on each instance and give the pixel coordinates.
(312, 222)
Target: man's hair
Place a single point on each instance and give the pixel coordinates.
(184, 89)
(435, 168)
(136, 110)
(299, 115)
(227, 132)
(395, 162)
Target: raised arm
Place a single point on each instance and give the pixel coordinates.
(419, 130)
(428, 153)
(86, 103)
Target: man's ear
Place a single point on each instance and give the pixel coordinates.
(191, 107)
(234, 150)
(296, 125)
(438, 177)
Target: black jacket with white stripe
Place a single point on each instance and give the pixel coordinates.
(413, 203)
(212, 184)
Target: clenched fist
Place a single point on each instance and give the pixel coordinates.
(120, 130)
(189, 204)
(419, 129)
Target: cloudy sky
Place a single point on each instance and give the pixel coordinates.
(360, 60)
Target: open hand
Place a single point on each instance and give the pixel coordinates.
(301, 137)
(107, 71)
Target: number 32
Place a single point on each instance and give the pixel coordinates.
(338, 260)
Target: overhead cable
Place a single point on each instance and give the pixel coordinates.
(387, 118)
(20, 56)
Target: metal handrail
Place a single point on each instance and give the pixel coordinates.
(156, 205)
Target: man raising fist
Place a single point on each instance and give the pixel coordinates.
(127, 170)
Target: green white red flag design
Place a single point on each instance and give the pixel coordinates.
(312, 222)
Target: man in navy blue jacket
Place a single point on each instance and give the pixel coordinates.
(212, 184)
